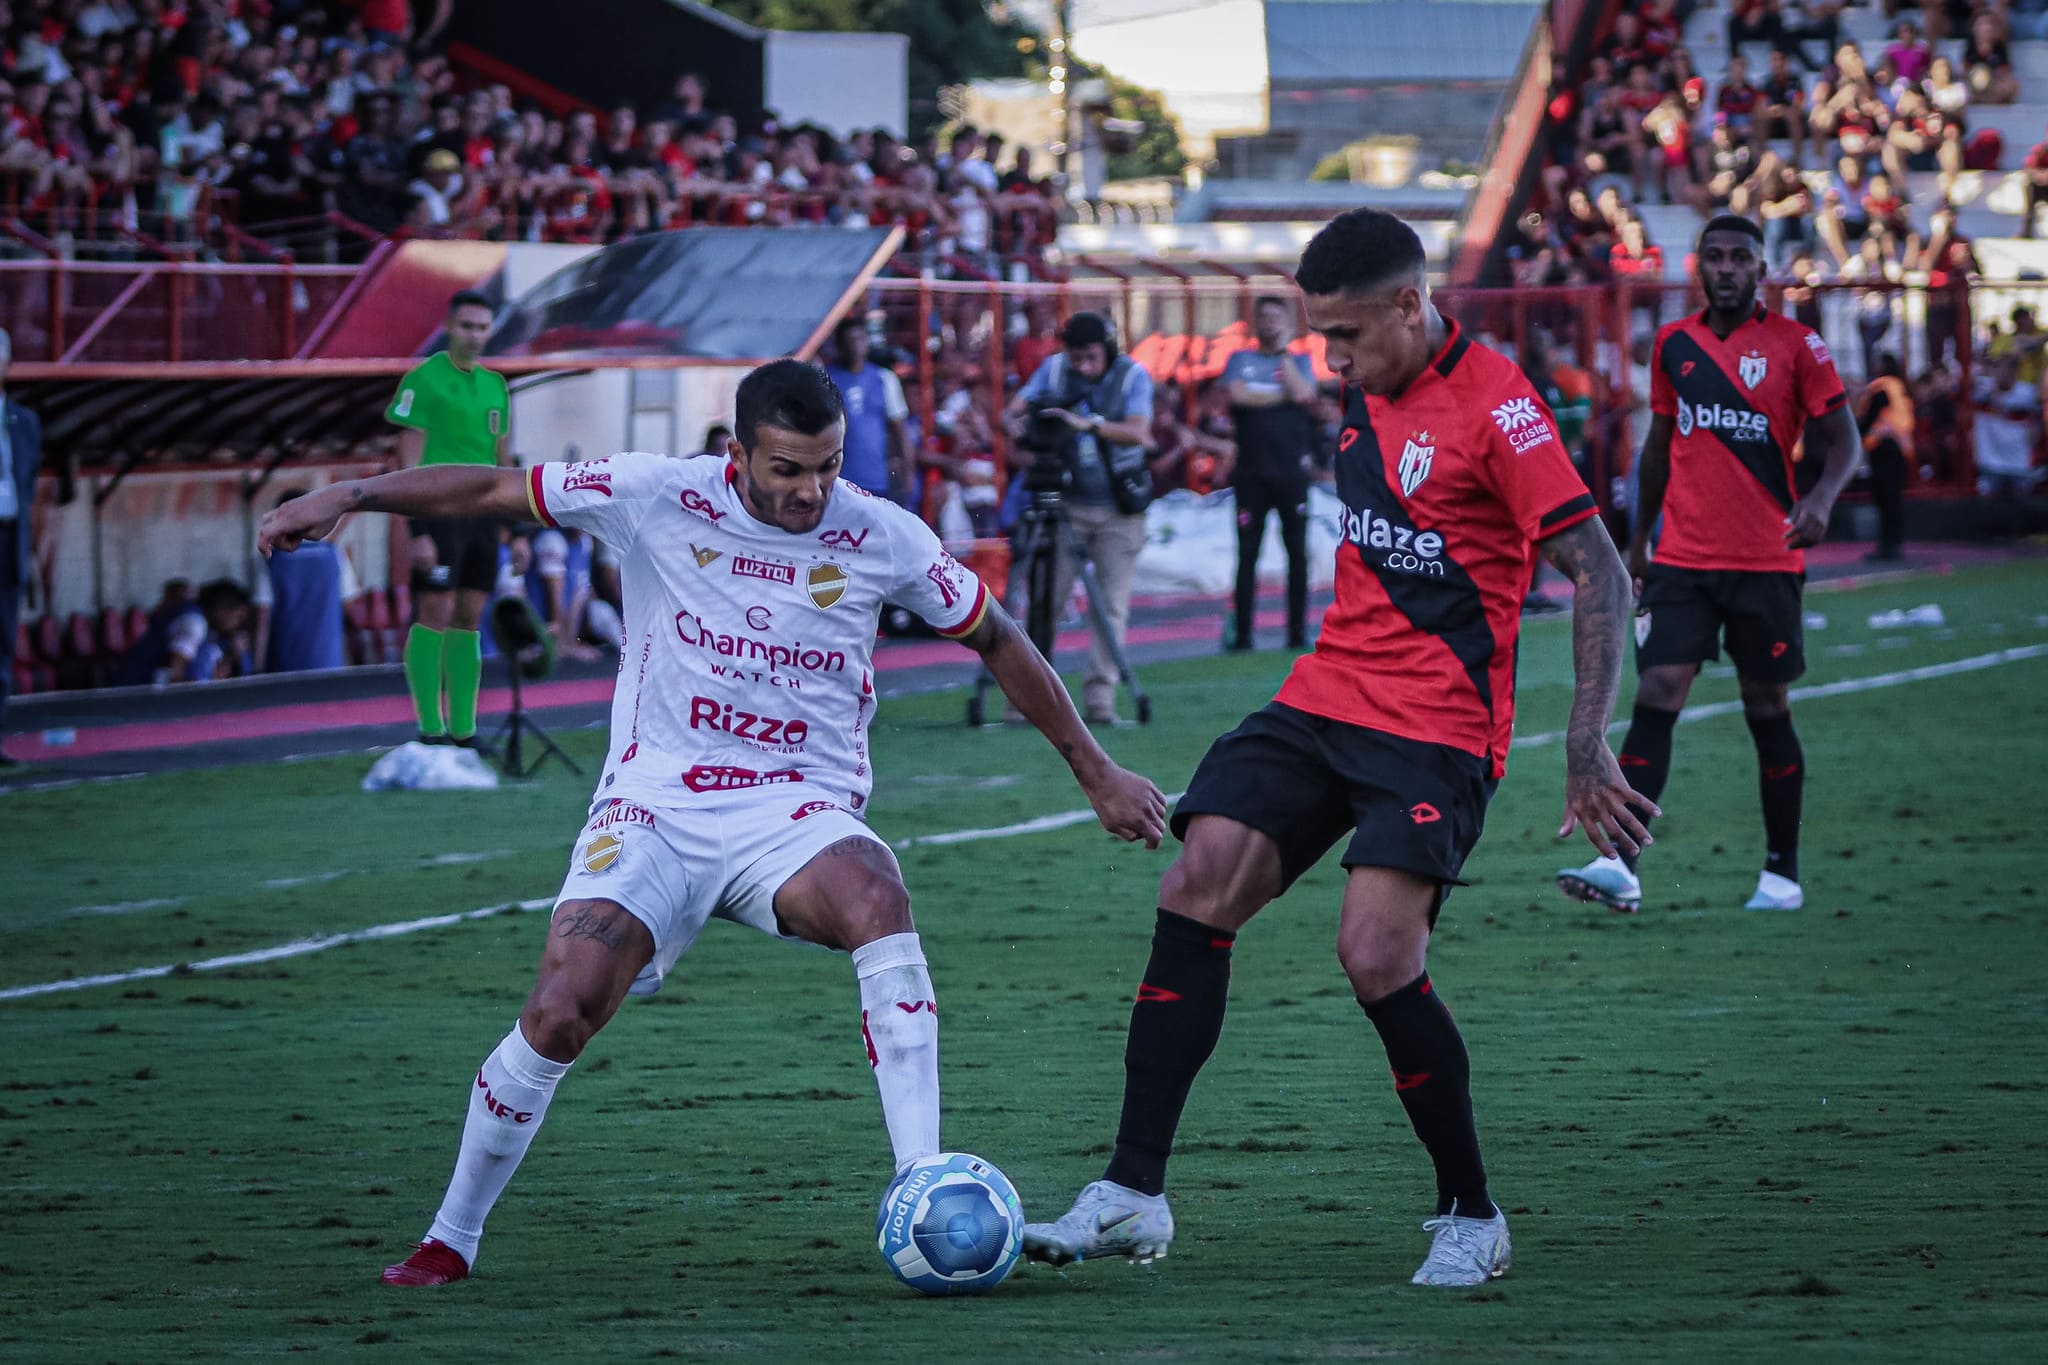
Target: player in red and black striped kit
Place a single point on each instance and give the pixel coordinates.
(1732, 391)
(1391, 735)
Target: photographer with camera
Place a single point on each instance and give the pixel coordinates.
(1085, 416)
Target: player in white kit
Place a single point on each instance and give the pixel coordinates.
(739, 766)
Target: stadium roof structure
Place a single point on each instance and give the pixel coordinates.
(1345, 42)
(708, 296)
(705, 293)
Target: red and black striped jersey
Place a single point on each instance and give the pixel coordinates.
(1741, 405)
(1446, 490)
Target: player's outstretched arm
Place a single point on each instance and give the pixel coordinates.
(1831, 438)
(444, 490)
(1596, 795)
(1129, 806)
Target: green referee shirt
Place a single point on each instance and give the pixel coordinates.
(462, 415)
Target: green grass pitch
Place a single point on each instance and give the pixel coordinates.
(1719, 1135)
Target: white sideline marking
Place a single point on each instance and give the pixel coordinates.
(1061, 820)
(1843, 688)
(121, 907)
(296, 948)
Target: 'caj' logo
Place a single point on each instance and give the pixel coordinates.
(1416, 458)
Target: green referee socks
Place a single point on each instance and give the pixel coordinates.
(462, 663)
(423, 649)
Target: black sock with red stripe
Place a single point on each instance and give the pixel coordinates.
(1781, 779)
(1174, 1027)
(1433, 1077)
(1645, 757)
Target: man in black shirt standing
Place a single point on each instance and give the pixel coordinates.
(1272, 398)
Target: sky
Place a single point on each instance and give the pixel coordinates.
(1207, 58)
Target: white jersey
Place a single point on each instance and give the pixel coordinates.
(749, 650)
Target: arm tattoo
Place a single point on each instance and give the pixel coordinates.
(586, 923)
(1600, 613)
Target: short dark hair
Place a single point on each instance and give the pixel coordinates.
(1359, 250)
(222, 594)
(1731, 222)
(716, 435)
(470, 298)
(1262, 300)
(791, 395)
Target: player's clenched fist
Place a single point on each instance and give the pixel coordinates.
(290, 524)
(1128, 805)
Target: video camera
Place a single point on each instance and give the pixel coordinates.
(1051, 442)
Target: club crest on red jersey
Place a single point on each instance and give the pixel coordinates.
(1752, 368)
(1416, 458)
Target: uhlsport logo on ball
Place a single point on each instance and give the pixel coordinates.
(950, 1224)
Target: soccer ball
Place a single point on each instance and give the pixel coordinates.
(950, 1224)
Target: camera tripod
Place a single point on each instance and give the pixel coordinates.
(1043, 534)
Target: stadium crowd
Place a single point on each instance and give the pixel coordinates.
(1820, 140)
(158, 115)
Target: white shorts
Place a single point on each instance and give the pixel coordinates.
(674, 867)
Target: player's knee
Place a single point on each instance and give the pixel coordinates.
(559, 1021)
(1766, 701)
(1377, 963)
(876, 907)
(1664, 689)
(1202, 889)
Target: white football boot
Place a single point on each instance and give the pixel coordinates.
(1604, 881)
(1107, 1220)
(1775, 893)
(1466, 1252)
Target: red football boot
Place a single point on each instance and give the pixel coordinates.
(433, 1263)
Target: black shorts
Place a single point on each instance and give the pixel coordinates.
(1305, 781)
(465, 554)
(1686, 614)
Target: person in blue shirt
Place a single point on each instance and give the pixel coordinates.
(878, 455)
(299, 602)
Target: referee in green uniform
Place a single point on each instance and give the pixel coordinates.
(454, 411)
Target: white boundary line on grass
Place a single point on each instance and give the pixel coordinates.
(1061, 820)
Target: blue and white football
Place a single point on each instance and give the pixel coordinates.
(950, 1224)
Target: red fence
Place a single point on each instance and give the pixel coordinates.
(987, 337)
(152, 312)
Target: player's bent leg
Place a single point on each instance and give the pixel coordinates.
(1382, 942)
(594, 950)
(1226, 871)
(1645, 758)
(851, 897)
(462, 664)
(1781, 785)
(425, 641)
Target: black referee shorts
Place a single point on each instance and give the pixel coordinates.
(1687, 614)
(465, 554)
(1306, 781)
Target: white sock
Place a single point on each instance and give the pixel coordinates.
(899, 1020)
(507, 1101)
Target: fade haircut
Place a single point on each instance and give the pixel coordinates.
(469, 298)
(788, 394)
(1730, 222)
(1360, 251)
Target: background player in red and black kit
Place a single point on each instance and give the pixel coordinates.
(1393, 732)
(1732, 390)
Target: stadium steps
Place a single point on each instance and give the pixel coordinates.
(1988, 203)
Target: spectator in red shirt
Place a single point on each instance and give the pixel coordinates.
(1783, 114)
(1738, 101)
(2036, 169)
(1886, 211)
(1635, 256)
